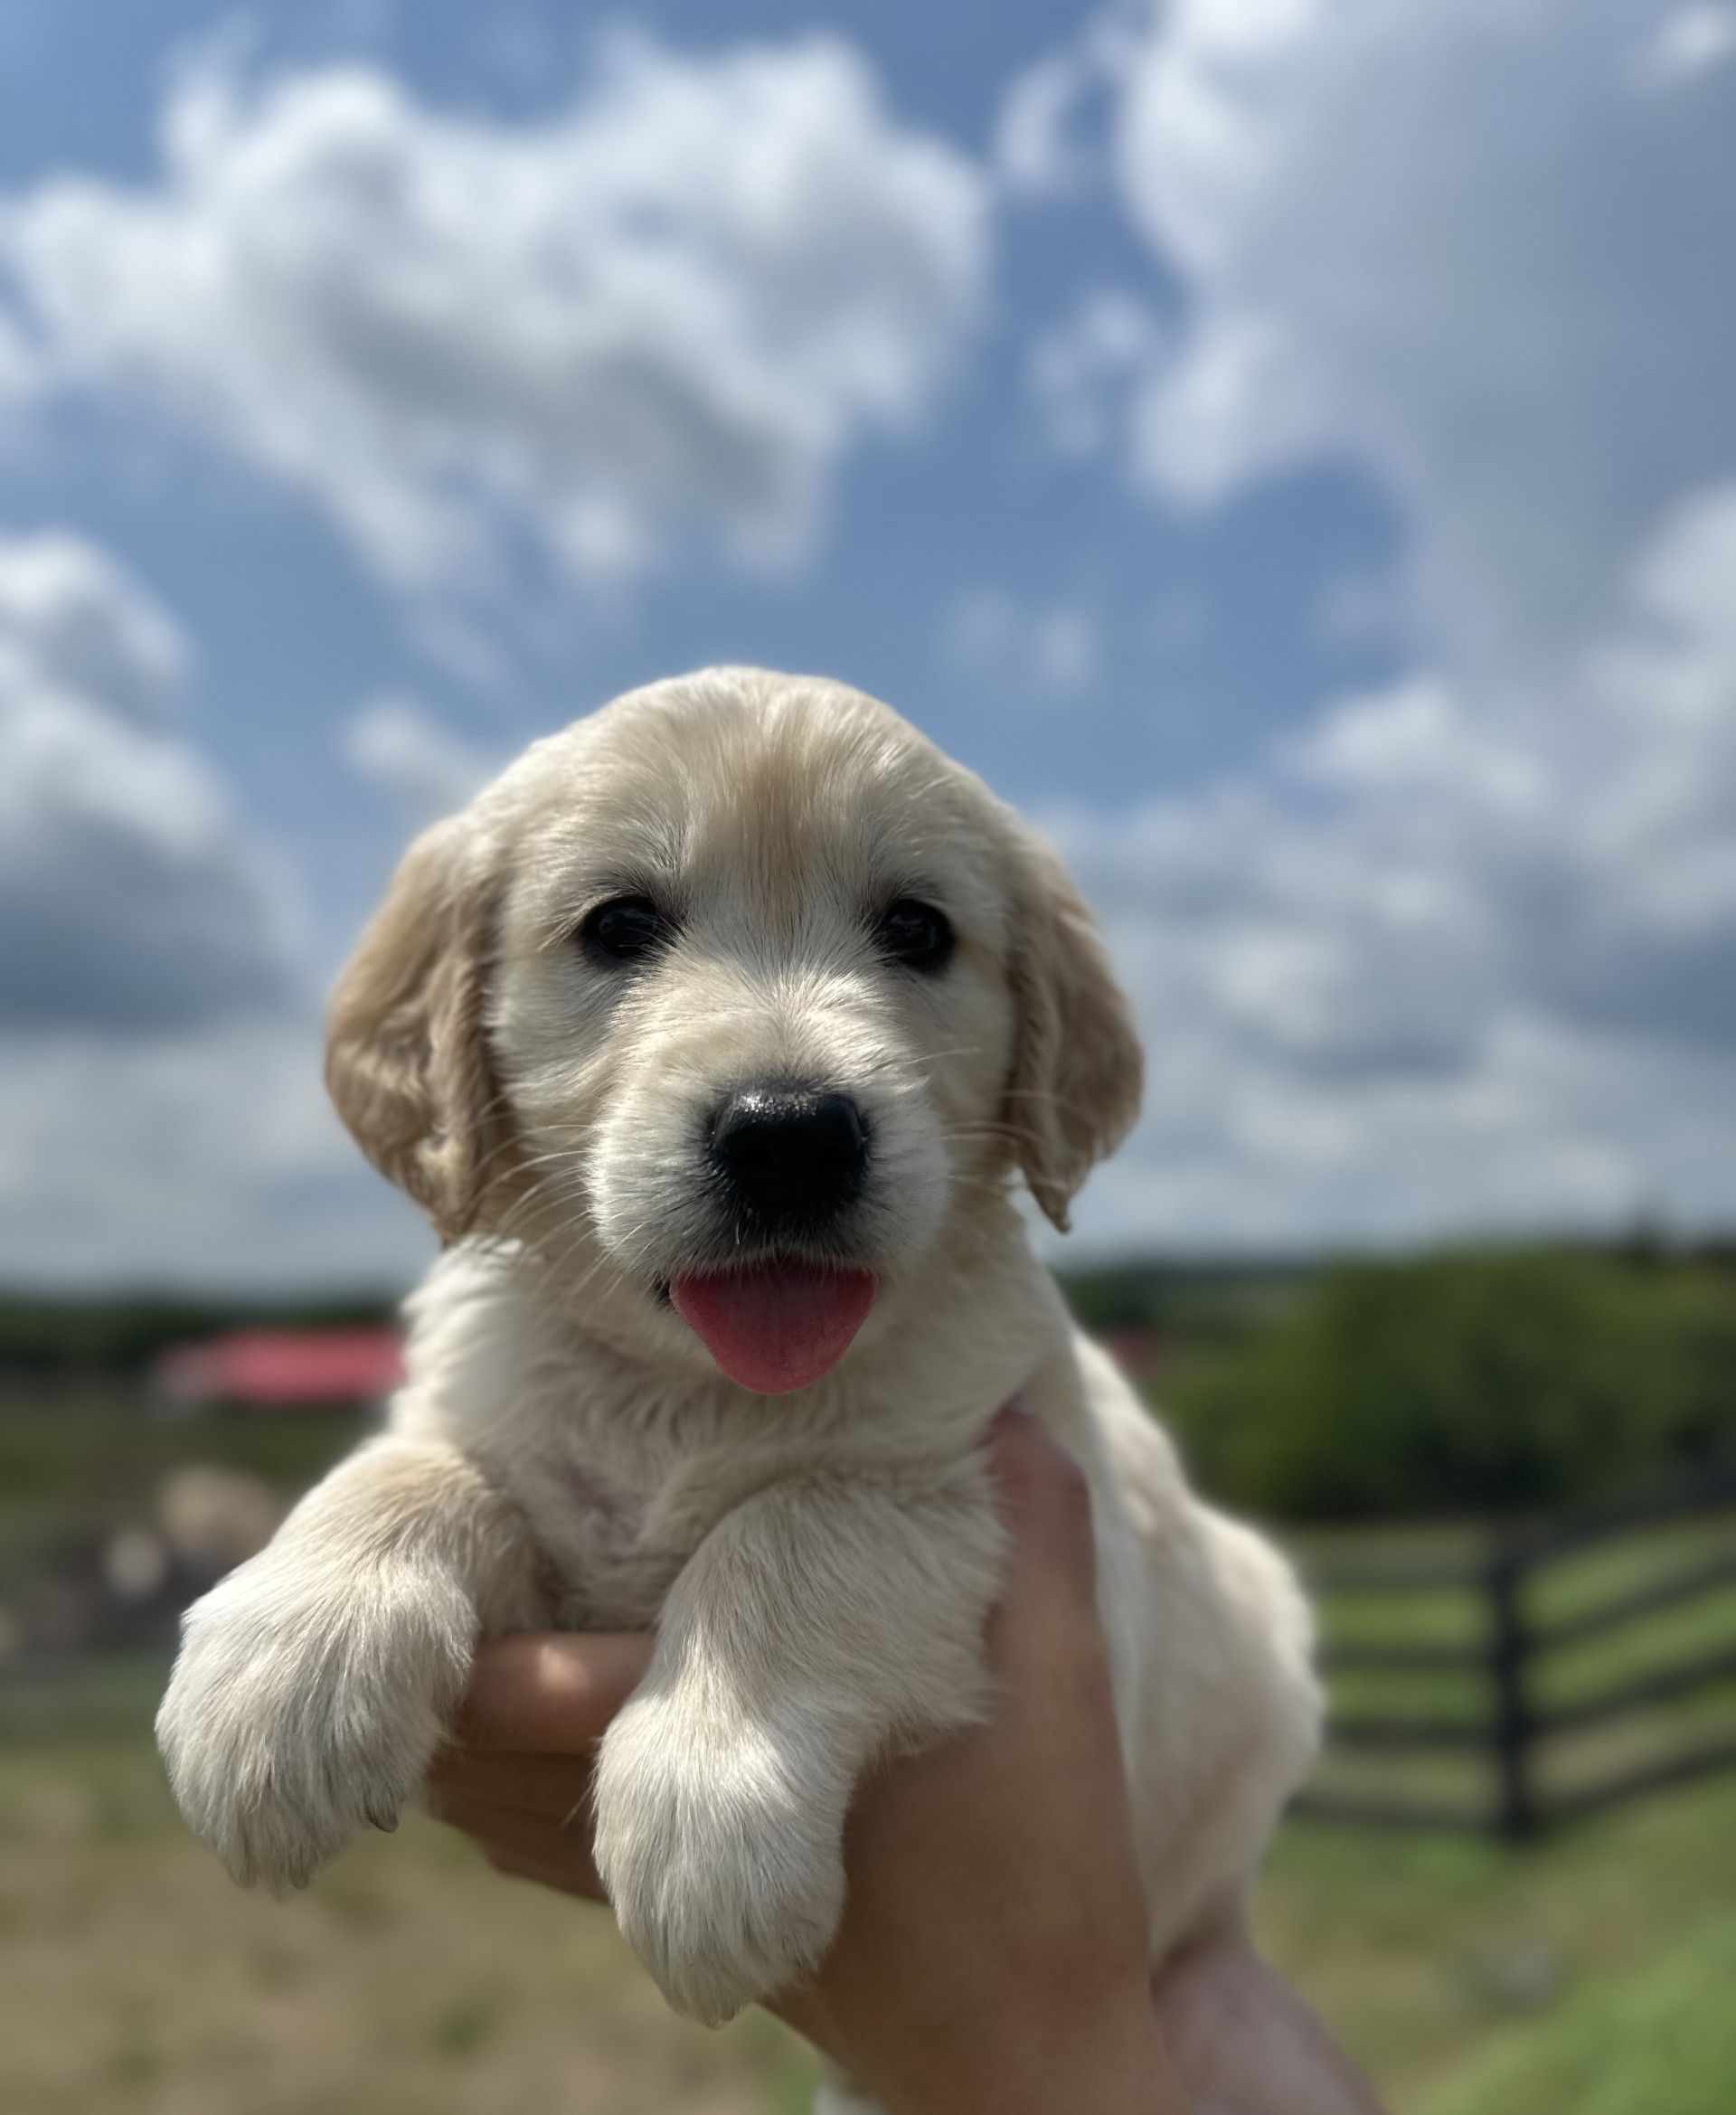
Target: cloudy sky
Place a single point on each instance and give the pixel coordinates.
(1288, 446)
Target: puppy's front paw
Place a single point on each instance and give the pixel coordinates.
(306, 1705)
(723, 1860)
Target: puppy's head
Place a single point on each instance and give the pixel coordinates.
(726, 1002)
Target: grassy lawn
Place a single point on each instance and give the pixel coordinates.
(408, 1981)
(1661, 2038)
(1561, 1678)
(99, 1454)
(1464, 1976)
(412, 1981)
(1588, 1976)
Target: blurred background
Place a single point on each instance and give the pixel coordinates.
(1287, 447)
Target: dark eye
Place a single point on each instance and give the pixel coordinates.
(916, 935)
(626, 929)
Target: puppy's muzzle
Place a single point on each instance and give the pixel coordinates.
(788, 1159)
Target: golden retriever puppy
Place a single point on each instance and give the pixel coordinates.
(715, 1037)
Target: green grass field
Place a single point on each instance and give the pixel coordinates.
(412, 1981)
(408, 1981)
(1469, 1979)
(1561, 1678)
(1588, 1976)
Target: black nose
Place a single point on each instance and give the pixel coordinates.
(788, 1154)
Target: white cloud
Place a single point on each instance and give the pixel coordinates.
(132, 896)
(396, 745)
(669, 311)
(161, 1114)
(1021, 649)
(1447, 242)
(1082, 372)
(1034, 152)
(1454, 958)
(1049, 128)
(1463, 952)
(208, 1159)
(73, 621)
(1236, 403)
(1692, 40)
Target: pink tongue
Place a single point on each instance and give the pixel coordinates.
(778, 1326)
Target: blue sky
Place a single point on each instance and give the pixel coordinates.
(1285, 445)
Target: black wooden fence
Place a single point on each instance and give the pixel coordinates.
(1511, 1730)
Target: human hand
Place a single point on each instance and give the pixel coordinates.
(516, 1775)
(993, 1949)
(994, 1937)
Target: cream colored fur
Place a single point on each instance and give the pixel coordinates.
(564, 1451)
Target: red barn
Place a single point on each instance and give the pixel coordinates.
(281, 1369)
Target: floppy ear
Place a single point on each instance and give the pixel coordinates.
(1076, 1064)
(405, 1060)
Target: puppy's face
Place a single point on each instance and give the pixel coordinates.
(767, 992)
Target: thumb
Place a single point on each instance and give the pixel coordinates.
(551, 1692)
(1046, 1504)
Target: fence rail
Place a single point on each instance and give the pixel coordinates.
(1513, 1726)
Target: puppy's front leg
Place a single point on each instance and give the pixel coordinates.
(313, 1684)
(818, 1624)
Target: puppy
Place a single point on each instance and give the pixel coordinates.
(713, 1037)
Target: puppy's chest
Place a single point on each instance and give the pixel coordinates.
(616, 1519)
(609, 1566)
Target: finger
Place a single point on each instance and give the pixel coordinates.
(550, 1784)
(1045, 1640)
(484, 1818)
(549, 1692)
(530, 1846)
(1046, 1504)
(510, 1866)
(1242, 2039)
